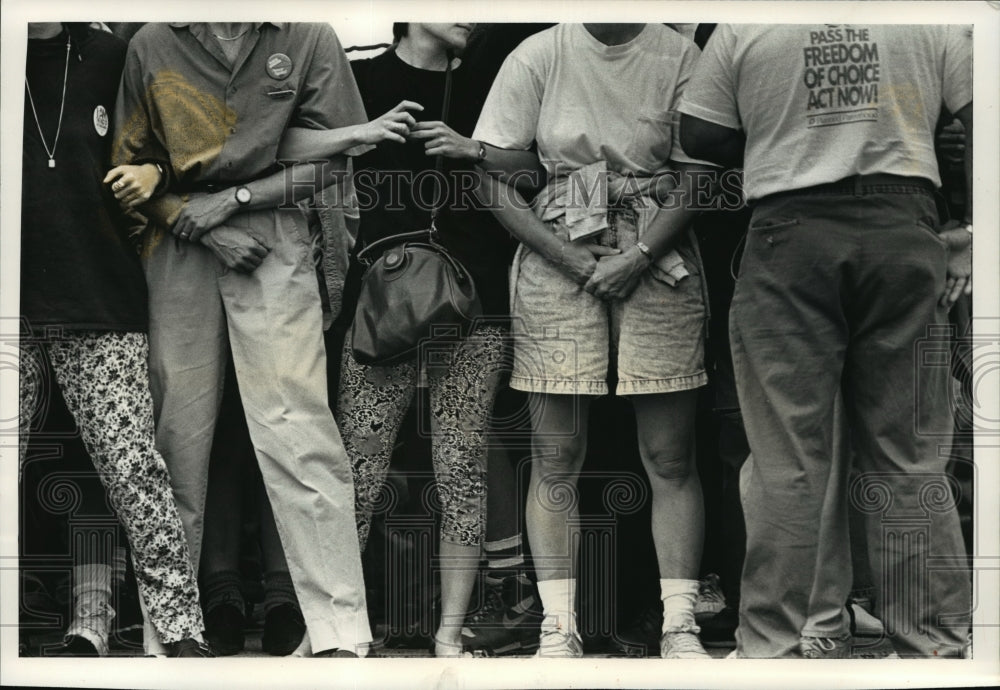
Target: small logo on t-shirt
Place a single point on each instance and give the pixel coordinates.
(101, 120)
(279, 66)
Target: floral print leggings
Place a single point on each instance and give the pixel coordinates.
(105, 382)
(463, 379)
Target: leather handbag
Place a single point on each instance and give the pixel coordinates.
(414, 292)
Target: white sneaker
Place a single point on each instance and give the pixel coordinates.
(825, 647)
(681, 645)
(92, 616)
(557, 644)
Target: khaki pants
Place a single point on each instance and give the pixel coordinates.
(839, 293)
(272, 321)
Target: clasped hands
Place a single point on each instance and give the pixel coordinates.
(203, 219)
(605, 272)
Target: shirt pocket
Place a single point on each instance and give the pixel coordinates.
(652, 139)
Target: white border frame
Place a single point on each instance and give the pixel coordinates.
(375, 17)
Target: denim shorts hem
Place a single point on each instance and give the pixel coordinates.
(671, 385)
(558, 386)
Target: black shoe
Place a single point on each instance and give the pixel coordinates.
(720, 629)
(283, 630)
(191, 648)
(224, 629)
(508, 622)
(74, 645)
(642, 638)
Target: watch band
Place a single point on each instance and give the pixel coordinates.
(162, 184)
(642, 247)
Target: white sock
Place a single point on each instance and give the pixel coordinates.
(679, 598)
(558, 599)
(92, 612)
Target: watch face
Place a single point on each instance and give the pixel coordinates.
(243, 195)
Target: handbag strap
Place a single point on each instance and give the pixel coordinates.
(439, 159)
(430, 233)
(456, 265)
(389, 241)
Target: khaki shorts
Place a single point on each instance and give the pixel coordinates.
(565, 338)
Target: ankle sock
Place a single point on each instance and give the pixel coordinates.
(278, 590)
(221, 587)
(504, 558)
(92, 612)
(679, 598)
(558, 604)
(119, 565)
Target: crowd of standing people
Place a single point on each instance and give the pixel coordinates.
(193, 292)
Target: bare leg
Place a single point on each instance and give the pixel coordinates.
(666, 445)
(459, 567)
(462, 397)
(559, 442)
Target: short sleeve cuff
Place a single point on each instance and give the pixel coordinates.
(498, 140)
(678, 156)
(359, 150)
(709, 115)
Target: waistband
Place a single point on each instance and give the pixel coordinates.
(861, 185)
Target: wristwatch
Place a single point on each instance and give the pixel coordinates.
(642, 247)
(162, 184)
(243, 195)
(481, 156)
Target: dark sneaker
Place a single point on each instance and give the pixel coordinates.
(711, 600)
(508, 622)
(826, 647)
(191, 648)
(74, 645)
(126, 628)
(283, 630)
(863, 623)
(720, 629)
(493, 606)
(224, 629)
(642, 638)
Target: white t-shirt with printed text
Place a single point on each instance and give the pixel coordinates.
(820, 103)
